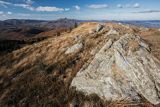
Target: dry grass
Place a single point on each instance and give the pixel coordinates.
(153, 37)
(40, 74)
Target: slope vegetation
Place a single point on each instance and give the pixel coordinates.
(42, 74)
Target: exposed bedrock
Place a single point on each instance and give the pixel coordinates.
(123, 68)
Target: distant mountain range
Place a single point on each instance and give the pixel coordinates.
(64, 22)
(38, 23)
(142, 23)
(16, 33)
(18, 29)
(23, 29)
(146, 23)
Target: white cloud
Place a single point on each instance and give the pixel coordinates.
(21, 5)
(136, 5)
(9, 13)
(120, 6)
(29, 2)
(148, 11)
(67, 9)
(1, 12)
(4, 2)
(77, 7)
(40, 8)
(48, 9)
(98, 6)
(26, 6)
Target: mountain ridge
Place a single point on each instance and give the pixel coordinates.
(41, 74)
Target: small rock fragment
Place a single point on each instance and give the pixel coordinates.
(78, 38)
(75, 48)
(112, 32)
(99, 27)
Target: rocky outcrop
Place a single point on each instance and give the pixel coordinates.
(78, 38)
(99, 27)
(75, 48)
(94, 33)
(124, 68)
(112, 32)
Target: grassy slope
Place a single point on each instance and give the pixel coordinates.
(40, 74)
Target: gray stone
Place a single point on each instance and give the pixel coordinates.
(99, 27)
(112, 32)
(144, 29)
(122, 69)
(78, 38)
(75, 48)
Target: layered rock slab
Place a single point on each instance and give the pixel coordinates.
(122, 69)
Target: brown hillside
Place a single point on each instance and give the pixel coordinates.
(40, 74)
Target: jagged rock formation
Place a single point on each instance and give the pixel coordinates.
(123, 68)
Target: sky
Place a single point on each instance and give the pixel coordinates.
(80, 9)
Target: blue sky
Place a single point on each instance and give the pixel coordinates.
(80, 9)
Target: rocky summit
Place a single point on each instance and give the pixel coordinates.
(93, 65)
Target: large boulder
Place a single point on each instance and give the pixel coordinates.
(122, 69)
